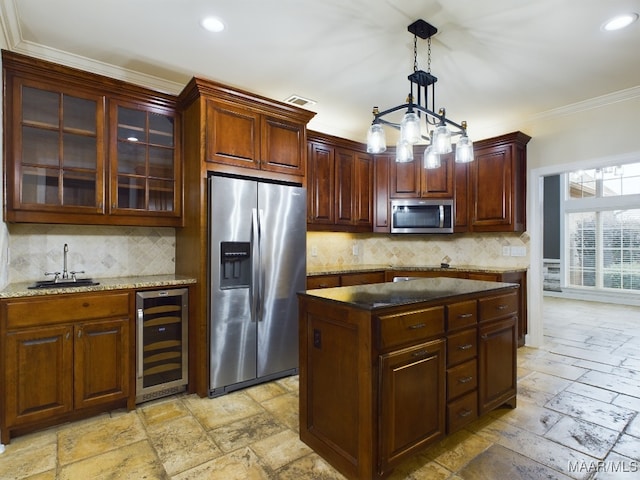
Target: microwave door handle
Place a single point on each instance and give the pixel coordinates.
(441, 208)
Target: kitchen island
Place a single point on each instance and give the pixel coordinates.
(388, 369)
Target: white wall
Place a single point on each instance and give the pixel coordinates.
(600, 132)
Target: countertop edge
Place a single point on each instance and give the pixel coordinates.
(21, 289)
(336, 270)
(325, 294)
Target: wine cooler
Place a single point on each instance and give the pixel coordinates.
(161, 364)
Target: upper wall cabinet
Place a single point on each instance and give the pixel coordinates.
(411, 180)
(339, 186)
(85, 149)
(497, 184)
(246, 131)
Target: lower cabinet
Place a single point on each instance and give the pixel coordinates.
(77, 359)
(344, 279)
(409, 419)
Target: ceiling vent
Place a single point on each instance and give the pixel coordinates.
(300, 101)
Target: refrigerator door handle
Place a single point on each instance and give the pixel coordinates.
(255, 266)
(261, 267)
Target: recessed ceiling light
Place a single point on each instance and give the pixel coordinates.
(619, 21)
(212, 24)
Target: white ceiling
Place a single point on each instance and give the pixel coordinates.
(499, 62)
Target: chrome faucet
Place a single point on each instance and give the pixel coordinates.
(65, 250)
(65, 273)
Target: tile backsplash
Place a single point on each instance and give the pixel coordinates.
(125, 251)
(485, 250)
(100, 251)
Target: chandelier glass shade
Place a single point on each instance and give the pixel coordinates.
(420, 117)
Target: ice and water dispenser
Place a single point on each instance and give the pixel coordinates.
(235, 268)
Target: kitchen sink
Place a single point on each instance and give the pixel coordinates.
(80, 282)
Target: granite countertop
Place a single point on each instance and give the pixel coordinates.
(391, 294)
(337, 269)
(116, 283)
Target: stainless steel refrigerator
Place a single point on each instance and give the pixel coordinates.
(257, 234)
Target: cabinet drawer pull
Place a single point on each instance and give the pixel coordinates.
(465, 380)
(417, 326)
(421, 353)
(465, 347)
(502, 306)
(464, 413)
(484, 337)
(465, 315)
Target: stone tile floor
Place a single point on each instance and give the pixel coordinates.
(577, 418)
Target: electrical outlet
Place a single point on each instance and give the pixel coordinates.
(506, 251)
(314, 251)
(355, 249)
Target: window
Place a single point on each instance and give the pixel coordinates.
(602, 228)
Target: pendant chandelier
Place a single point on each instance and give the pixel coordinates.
(420, 109)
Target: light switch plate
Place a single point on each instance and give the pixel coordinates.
(518, 251)
(506, 251)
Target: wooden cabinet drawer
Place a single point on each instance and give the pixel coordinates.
(462, 314)
(462, 379)
(323, 281)
(361, 278)
(462, 346)
(498, 307)
(54, 309)
(462, 412)
(410, 327)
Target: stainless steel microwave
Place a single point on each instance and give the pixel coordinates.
(422, 216)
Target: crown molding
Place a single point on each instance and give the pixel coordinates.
(590, 104)
(13, 36)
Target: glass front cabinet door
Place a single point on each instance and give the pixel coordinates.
(58, 150)
(144, 171)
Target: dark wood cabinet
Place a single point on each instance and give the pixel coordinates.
(409, 418)
(412, 180)
(497, 340)
(381, 185)
(321, 184)
(344, 279)
(379, 384)
(64, 356)
(340, 185)
(248, 137)
(85, 149)
(497, 184)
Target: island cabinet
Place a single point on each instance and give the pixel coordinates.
(386, 370)
(340, 185)
(85, 149)
(64, 358)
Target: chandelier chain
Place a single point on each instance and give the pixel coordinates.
(415, 53)
(429, 55)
